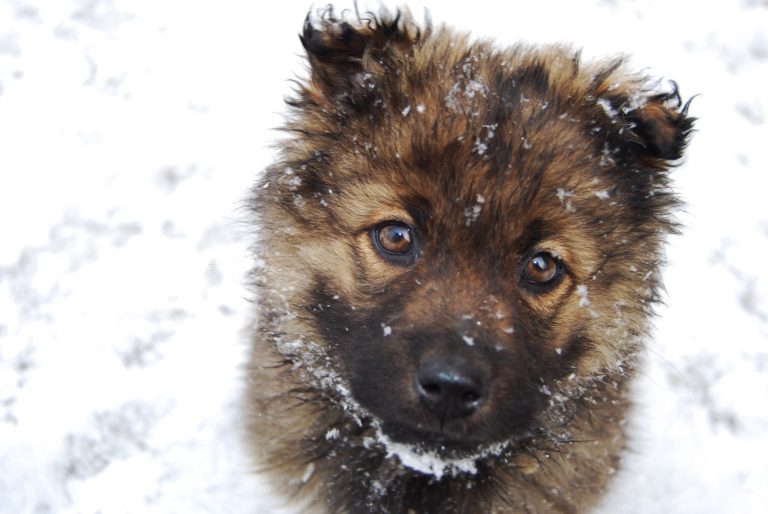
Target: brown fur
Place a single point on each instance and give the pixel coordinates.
(491, 156)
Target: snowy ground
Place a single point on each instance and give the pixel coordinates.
(129, 132)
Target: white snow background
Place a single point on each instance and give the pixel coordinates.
(129, 134)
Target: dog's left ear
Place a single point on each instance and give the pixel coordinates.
(655, 125)
(663, 125)
(347, 57)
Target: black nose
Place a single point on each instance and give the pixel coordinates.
(450, 386)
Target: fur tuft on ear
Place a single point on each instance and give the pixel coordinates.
(663, 125)
(345, 55)
(649, 125)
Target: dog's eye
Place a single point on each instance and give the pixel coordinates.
(393, 240)
(542, 269)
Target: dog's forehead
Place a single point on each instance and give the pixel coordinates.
(468, 168)
(481, 128)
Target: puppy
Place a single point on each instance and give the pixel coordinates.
(458, 255)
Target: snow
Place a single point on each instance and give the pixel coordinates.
(582, 292)
(602, 195)
(308, 472)
(471, 214)
(564, 197)
(430, 463)
(130, 132)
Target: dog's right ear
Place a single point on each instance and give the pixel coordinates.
(348, 58)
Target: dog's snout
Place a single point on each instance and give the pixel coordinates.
(450, 386)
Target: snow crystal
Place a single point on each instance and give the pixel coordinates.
(407, 110)
(472, 213)
(308, 472)
(294, 182)
(582, 291)
(509, 330)
(332, 434)
(564, 197)
(607, 107)
(637, 100)
(378, 487)
(562, 194)
(474, 87)
(469, 340)
(387, 329)
(606, 156)
(421, 108)
(603, 195)
(481, 144)
(453, 99)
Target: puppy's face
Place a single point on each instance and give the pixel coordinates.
(465, 236)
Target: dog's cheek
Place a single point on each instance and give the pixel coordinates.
(360, 350)
(599, 329)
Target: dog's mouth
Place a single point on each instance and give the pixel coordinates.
(436, 453)
(447, 440)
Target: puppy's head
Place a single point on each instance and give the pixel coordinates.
(458, 234)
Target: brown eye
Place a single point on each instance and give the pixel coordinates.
(394, 241)
(542, 269)
(395, 238)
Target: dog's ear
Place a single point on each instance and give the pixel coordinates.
(655, 126)
(662, 124)
(347, 57)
